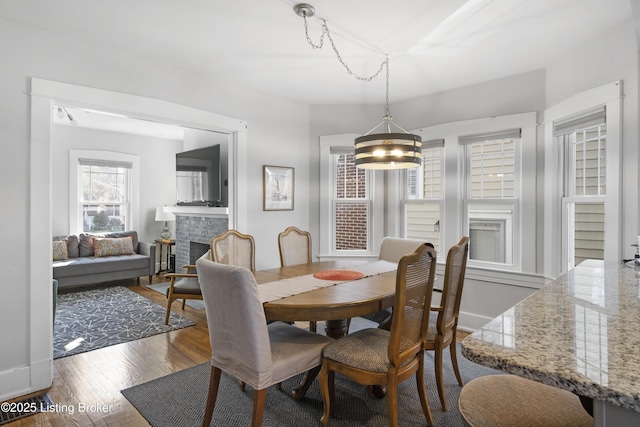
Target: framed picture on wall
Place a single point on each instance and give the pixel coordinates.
(279, 184)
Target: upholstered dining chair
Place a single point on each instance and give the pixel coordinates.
(242, 344)
(294, 246)
(183, 286)
(443, 322)
(377, 356)
(234, 248)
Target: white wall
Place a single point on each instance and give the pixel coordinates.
(278, 134)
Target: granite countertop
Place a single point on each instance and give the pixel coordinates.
(580, 333)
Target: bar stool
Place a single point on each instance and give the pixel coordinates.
(512, 401)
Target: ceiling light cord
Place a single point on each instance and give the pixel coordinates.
(386, 150)
(325, 31)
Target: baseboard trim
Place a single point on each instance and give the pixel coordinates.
(25, 380)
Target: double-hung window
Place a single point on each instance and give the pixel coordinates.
(103, 191)
(105, 195)
(351, 202)
(492, 199)
(582, 180)
(423, 205)
(583, 145)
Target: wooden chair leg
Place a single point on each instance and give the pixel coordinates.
(422, 392)
(392, 401)
(150, 279)
(326, 380)
(184, 301)
(166, 317)
(454, 360)
(214, 382)
(313, 326)
(439, 379)
(259, 399)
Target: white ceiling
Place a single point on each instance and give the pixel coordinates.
(433, 45)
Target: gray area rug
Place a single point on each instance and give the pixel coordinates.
(162, 288)
(97, 318)
(179, 400)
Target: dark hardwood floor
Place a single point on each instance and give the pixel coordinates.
(97, 377)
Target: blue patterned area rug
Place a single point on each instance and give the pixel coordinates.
(97, 318)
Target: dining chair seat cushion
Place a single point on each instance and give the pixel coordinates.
(509, 400)
(186, 285)
(294, 350)
(365, 349)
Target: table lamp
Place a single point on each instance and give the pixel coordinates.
(161, 215)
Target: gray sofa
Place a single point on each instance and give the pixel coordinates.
(82, 267)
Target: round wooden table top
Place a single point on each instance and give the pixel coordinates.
(342, 301)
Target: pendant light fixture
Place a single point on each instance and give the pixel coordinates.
(385, 150)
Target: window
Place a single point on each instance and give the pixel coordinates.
(351, 205)
(103, 191)
(424, 195)
(105, 196)
(351, 202)
(582, 180)
(583, 145)
(491, 171)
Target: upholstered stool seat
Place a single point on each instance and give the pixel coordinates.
(512, 401)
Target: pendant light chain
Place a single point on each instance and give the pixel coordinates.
(325, 31)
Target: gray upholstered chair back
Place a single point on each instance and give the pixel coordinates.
(394, 248)
(234, 248)
(295, 246)
(237, 325)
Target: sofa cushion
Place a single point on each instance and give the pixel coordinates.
(106, 246)
(59, 249)
(86, 266)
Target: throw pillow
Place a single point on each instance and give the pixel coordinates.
(60, 251)
(85, 245)
(110, 246)
(72, 247)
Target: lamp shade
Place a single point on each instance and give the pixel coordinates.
(161, 215)
(388, 151)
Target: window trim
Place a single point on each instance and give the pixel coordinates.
(609, 96)
(75, 198)
(335, 144)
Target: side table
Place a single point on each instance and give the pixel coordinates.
(169, 244)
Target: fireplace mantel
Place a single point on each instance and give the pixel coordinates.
(198, 211)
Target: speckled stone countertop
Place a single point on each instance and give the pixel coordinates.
(580, 333)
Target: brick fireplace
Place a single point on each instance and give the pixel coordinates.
(193, 236)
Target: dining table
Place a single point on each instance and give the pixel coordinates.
(578, 333)
(293, 293)
(334, 301)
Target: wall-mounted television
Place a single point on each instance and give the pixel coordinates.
(200, 177)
